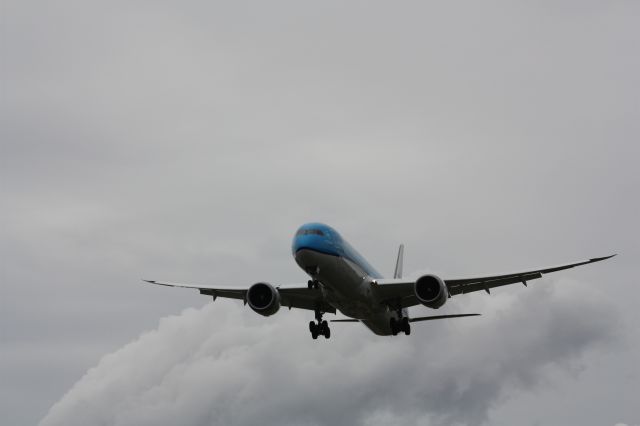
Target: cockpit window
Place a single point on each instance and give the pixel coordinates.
(310, 232)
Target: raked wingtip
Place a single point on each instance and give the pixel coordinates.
(598, 259)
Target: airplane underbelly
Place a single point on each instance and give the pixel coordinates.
(379, 323)
(343, 284)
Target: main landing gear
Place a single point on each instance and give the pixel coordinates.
(400, 325)
(320, 327)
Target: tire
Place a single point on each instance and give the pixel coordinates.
(324, 325)
(406, 327)
(312, 326)
(394, 326)
(327, 333)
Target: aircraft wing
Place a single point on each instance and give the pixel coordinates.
(400, 293)
(291, 296)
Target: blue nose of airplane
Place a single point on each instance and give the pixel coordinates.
(315, 238)
(312, 242)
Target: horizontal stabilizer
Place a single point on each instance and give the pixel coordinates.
(436, 317)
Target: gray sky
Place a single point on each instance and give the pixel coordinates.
(188, 141)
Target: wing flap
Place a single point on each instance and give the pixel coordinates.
(304, 298)
(230, 294)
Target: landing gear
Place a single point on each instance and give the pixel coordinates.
(401, 325)
(406, 327)
(325, 330)
(313, 328)
(319, 328)
(394, 326)
(313, 284)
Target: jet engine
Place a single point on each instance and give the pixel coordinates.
(431, 291)
(263, 299)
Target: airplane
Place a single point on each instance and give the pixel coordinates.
(342, 280)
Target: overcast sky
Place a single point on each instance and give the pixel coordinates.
(187, 141)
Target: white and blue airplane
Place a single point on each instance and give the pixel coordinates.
(341, 279)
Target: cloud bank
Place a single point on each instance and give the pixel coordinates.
(219, 365)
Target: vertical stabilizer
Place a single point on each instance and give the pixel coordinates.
(398, 272)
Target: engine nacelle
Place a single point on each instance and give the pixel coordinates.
(431, 291)
(263, 299)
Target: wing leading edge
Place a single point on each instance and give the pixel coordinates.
(400, 293)
(294, 296)
(468, 285)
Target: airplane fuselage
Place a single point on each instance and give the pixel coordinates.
(346, 279)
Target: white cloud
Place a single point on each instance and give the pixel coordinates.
(218, 365)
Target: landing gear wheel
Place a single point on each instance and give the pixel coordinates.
(406, 327)
(394, 326)
(313, 328)
(324, 329)
(320, 327)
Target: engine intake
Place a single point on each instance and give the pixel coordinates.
(431, 291)
(263, 299)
